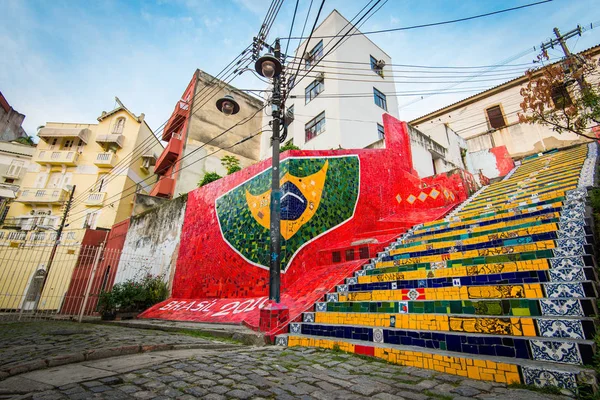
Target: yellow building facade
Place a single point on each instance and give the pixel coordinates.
(107, 163)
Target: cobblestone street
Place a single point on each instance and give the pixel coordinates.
(30, 345)
(235, 372)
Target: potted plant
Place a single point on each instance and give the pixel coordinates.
(107, 306)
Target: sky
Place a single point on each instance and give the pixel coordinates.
(66, 60)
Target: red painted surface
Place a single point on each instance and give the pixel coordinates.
(273, 316)
(364, 350)
(105, 273)
(504, 162)
(81, 273)
(214, 283)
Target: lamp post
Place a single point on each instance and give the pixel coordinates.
(271, 67)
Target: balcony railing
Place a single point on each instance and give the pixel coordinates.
(58, 157)
(106, 160)
(164, 187)
(40, 196)
(168, 156)
(95, 199)
(177, 119)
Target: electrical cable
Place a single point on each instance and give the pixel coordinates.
(183, 167)
(292, 26)
(433, 23)
(115, 170)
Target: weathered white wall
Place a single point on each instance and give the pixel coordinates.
(351, 123)
(152, 242)
(485, 161)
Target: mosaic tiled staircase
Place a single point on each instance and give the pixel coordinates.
(503, 289)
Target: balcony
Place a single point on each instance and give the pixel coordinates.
(168, 156)
(177, 119)
(104, 140)
(164, 187)
(95, 199)
(57, 157)
(105, 160)
(47, 134)
(43, 196)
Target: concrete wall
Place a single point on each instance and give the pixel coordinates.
(152, 242)
(10, 122)
(351, 123)
(206, 123)
(493, 163)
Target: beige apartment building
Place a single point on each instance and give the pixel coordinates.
(85, 156)
(490, 119)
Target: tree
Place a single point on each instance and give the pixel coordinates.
(27, 140)
(289, 145)
(208, 178)
(231, 164)
(564, 96)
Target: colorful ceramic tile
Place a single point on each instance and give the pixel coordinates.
(561, 307)
(560, 352)
(563, 328)
(547, 377)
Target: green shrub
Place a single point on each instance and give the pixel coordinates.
(133, 296)
(208, 178)
(289, 145)
(231, 164)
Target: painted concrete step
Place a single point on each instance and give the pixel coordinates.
(496, 369)
(550, 327)
(557, 350)
(507, 291)
(557, 308)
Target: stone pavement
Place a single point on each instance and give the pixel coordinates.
(33, 345)
(250, 373)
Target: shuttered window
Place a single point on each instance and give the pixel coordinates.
(495, 117)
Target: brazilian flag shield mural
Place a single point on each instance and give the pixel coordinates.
(317, 195)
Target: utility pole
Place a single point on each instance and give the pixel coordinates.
(562, 41)
(275, 246)
(55, 246)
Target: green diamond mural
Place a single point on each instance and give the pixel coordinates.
(317, 195)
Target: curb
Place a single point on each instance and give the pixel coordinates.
(247, 338)
(98, 354)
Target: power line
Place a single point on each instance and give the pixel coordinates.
(292, 26)
(293, 79)
(433, 23)
(384, 82)
(183, 167)
(140, 150)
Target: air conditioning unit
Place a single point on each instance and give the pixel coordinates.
(380, 64)
(320, 76)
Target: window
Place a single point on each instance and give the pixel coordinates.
(14, 170)
(314, 127)
(68, 144)
(315, 55)
(495, 117)
(380, 131)
(380, 99)
(349, 254)
(336, 257)
(363, 253)
(376, 66)
(313, 90)
(118, 129)
(90, 221)
(560, 96)
(53, 143)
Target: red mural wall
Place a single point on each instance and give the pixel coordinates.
(504, 161)
(216, 282)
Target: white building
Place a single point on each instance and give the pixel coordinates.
(490, 119)
(338, 107)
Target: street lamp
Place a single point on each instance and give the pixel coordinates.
(227, 105)
(271, 67)
(268, 66)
